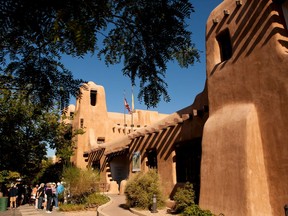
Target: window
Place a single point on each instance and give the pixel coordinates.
(93, 94)
(96, 165)
(100, 140)
(81, 123)
(225, 45)
(71, 115)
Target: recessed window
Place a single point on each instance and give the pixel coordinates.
(81, 123)
(96, 165)
(71, 116)
(100, 140)
(93, 94)
(225, 45)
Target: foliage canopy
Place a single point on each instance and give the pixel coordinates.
(144, 34)
(26, 133)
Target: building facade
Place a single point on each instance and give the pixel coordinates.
(231, 143)
(244, 146)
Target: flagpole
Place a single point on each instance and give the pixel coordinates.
(124, 112)
(132, 111)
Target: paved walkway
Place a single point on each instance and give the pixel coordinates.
(116, 207)
(27, 210)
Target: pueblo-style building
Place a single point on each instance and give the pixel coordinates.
(231, 143)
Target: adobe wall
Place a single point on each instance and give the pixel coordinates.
(101, 126)
(163, 136)
(244, 148)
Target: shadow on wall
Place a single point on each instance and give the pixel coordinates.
(253, 25)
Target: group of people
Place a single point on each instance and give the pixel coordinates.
(18, 194)
(43, 197)
(46, 196)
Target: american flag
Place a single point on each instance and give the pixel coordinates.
(127, 105)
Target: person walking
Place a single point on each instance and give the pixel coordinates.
(40, 195)
(49, 194)
(13, 193)
(33, 195)
(55, 195)
(21, 194)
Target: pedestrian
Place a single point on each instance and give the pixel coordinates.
(33, 196)
(55, 195)
(21, 193)
(28, 194)
(40, 195)
(60, 188)
(13, 193)
(48, 192)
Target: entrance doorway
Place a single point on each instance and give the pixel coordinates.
(119, 166)
(152, 158)
(188, 162)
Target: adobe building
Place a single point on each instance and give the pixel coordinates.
(231, 143)
(120, 145)
(244, 167)
(101, 126)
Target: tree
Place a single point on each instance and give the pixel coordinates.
(26, 133)
(22, 147)
(63, 141)
(50, 172)
(144, 34)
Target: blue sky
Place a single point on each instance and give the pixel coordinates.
(183, 84)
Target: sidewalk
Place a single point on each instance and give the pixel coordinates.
(13, 212)
(115, 207)
(27, 210)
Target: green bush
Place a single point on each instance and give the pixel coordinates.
(92, 201)
(83, 188)
(184, 202)
(184, 197)
(72, 207)
(140, 189)
(80, 183)
(96, 199)
(194, 210)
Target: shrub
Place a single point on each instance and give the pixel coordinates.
(96, 199)
(72, 207)
(82, 186)
(184, 197)
(194, 210)
(80, 183)
(140, 189)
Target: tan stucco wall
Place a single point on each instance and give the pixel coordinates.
(244, 161)
(99, 123)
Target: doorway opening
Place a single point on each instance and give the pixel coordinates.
(152, 158)
(188, 163)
